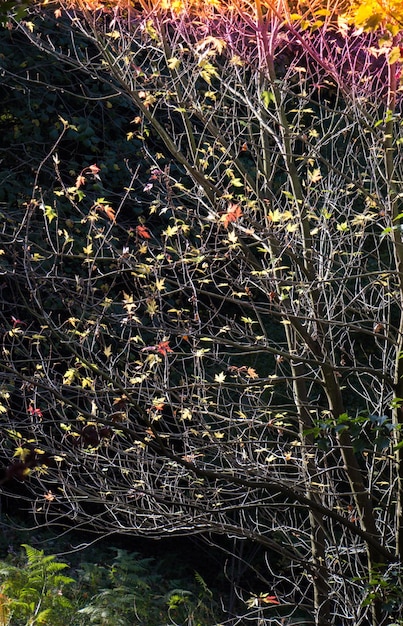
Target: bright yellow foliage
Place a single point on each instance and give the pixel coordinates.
(373, 14)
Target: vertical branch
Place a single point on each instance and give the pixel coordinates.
(394, 211)
(317, 534)
(321, 585)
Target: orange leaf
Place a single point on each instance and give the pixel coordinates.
(159, 406)
(252, 373)
(234, 212)
(110, 213)
(80, 181)
(143, 231)
(94, 169)
(163, 348)
(269, 599)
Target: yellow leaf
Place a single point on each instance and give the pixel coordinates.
(220, 378)
(186, 414)
(160, 284)
(69, 376)
(152, 307)
(314, 175)
(173, 63)
(63, 121)
(248, 320)
(50, 213)
(394, 55)
(171, 230)
(108, 351)
(21, 453)
(207, 71)
(88, 250)
(217, 44)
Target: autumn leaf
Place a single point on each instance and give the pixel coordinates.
(94, 169)
(252, 373)
(269, 599)
(256, 601)
(16, 322)
(50, 213)
(185, 414)
(218, 45)
(34, 411)
(107, 209)
(128, 302)
(219, 435)
(314, 175)
(158, 404)
(22, 453)
(173, 63)
(143, 231)
(80, 180)
(160, 284)
(120, 403)
(152, 307)
(69, 376)
(163, 348)
(234, 212)
(108, 351)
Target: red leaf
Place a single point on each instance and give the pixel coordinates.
(33, 411)
(143, 232)
(16, 321)
(269, 599)
(163, 348)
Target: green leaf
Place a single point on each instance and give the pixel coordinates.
(50, 213)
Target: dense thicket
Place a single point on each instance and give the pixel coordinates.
(202, 295)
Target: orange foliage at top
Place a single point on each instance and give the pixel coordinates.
(284, 8)
(364, 15)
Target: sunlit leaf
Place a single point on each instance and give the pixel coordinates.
(220, 378)
(173, 63)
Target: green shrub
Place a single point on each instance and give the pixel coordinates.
(131, 591)
(33, 593)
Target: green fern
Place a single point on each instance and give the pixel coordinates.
(34, 591)
(131, 591)
(201, 582)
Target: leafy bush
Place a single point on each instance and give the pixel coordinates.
(132, 590)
